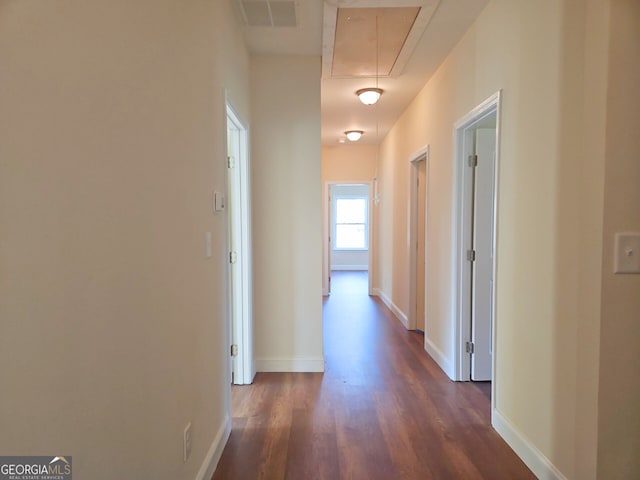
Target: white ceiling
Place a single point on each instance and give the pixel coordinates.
(444, 26)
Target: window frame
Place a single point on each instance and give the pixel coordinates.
(334, 222)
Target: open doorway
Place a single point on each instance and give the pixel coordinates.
(348, 230)
(418, 218)
(238, 208)
(477, 140)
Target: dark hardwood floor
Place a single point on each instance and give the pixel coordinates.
(382, 410)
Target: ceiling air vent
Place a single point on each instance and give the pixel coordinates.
(268, 13)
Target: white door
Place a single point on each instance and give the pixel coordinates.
(235, 237)
(238, 207)
(482, 267)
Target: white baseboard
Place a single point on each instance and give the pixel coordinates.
(540, 465)
(437, 355)
(440, 358)
(349, 267)
(392, 306)
(290, 364)
(215, 451)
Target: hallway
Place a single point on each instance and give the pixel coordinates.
(382, 409)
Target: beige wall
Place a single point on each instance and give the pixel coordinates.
(619, 415)
(549, 214)
(347, 163)
(286, 173)
(113, 332)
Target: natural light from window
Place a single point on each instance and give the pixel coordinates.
(351, 224)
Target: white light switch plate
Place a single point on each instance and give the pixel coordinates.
(627, 253)
(218, 202)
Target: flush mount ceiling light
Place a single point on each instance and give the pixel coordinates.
(369, 96)
(353, 135)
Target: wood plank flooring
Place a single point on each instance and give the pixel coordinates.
(383, 410)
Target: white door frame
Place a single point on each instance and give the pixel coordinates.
(240, 221)
(414, 159)
(462, 236)
(327, 229)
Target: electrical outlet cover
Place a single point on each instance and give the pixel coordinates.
(627, 253)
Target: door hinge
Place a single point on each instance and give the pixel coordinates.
(234, 350)
(471, 255)
(470, 347)
(233, 257)
(231, 162)
(473, 160)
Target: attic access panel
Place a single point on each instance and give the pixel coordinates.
(362, 31)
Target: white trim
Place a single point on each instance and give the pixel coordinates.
(290, 364)
(533, 458)
(326, 249)
(370, 240)
(440, 358)
(335, 267)
(496, 211)
(210, 463)
(461, 238)
(399, 314)
(334, 222)
(417, 156)
(242, 329)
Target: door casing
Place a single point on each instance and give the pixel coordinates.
(462, 222)
(326, 254)
(239, 240)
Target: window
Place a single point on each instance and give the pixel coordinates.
(351, 229)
